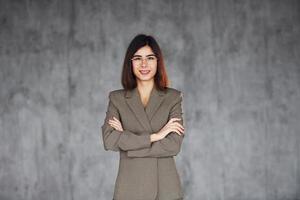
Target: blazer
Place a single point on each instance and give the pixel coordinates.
(147, 170)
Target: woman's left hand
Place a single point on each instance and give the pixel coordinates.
(115, 123)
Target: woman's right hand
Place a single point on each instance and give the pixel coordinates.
(171, 126)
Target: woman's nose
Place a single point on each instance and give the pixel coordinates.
(144, 61)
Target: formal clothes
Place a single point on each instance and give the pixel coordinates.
(147, 170)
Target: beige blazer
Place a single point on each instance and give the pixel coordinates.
(147, 171)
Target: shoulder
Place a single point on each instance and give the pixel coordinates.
(173, 96)
(174, 93)
(169, 92)
(116, 93)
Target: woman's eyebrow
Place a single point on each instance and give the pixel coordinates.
(146, 55)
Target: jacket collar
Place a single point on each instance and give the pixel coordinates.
(155, 91)
(144, 115)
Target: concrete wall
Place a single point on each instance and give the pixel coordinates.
(237, 63)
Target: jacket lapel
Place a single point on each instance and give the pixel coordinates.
(155, 100)
(144, 115)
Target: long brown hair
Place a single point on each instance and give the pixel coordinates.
(128, 78)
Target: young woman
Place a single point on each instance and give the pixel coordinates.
(144, 123)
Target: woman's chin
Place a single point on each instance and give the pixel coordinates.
(144, 78)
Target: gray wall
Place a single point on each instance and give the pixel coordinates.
(237, 63)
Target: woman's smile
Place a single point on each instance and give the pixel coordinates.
(144, 72)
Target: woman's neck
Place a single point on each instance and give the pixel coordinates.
(145, 87)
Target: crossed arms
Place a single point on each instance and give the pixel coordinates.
(140, 145)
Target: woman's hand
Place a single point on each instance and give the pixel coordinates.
(171, 126)
(115, 123)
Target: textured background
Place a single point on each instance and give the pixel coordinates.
(237, 63)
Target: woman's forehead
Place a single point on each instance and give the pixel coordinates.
(146, 50)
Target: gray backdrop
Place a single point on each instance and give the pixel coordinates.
(236, 62)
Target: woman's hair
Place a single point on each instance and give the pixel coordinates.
(128, 78)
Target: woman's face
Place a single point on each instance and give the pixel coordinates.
(144, 64)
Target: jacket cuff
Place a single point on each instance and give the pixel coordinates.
(128, 140)
(145, 141)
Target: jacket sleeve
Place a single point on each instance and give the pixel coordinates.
(115, 140)
(168, 146)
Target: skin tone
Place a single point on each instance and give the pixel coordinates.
(145, 83)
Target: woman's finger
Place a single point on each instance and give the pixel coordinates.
(178, 124)
(176, 131)
(175, 119)
(116, 120)
(177, 127)
(115, 124)
(116, 127)
(112, 122)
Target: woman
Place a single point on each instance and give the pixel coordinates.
(144, 123)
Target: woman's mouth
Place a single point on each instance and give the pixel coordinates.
(144, 72)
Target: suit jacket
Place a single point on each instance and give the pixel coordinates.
(147, 170)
